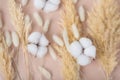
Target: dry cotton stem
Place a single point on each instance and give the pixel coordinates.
(104, 28)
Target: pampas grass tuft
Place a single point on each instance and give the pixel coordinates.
(104, 29)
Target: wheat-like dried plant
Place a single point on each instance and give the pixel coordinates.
(104, 29)
(5, 60)
(69, 17)
(19, 24)
(70, 67)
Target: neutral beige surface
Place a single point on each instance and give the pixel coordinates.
(90, 72)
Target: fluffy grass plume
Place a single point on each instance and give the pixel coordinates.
(5, 61)
(17, 18)
(71, 70)
(69, 16)
(104, 29)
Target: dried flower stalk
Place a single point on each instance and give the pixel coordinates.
(5, 60)
(69, 17)
(104, 29)
(18, 21)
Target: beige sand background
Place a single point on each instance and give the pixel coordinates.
(90, 72)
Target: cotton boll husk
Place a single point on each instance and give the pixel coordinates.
(39, 4)
(8, 38)
(15, 39)
(85, 42)
(52, 53)
(32, 48)
(56, 2)
(38, 18)
(90, 51)
(58, 40)
(46, 26)
(43, 41)
(83, 60)
(75, 49)
(42, 51)
(34, 37)
(75, 31)
(81, 12)
(50, 7)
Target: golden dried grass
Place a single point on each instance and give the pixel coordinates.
(104, 29)
(5, 60)
(70, 68)
(69, 17)
(18, 21)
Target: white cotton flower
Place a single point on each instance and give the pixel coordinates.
(83, 51)
(49, 7)
(56, 2)
(42, 51)
(90, 51)
(32, 48)
(38, 44)
(85, 42)
(75, 49)
(83, 60)
(39, 4)
(34, 37)
(43, 40)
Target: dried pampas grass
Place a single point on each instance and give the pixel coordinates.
(18, 21)
(70, 67)
(5, 60)
(69, 17)
(104, 29)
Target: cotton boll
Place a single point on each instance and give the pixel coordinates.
(42, 51)
(39, 4)
(43, 40)
(85, 42)
(49, 7)
(56, 2)
(83, 60)
(75, 49)
(32, 48)
(90, 51)
(34, 37)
